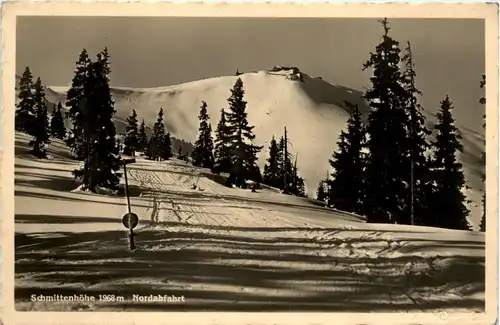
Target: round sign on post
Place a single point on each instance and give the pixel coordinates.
(130, 218)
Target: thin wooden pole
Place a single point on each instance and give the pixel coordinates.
(131, 232)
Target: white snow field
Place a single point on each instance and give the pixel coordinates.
(314, 112)
(225, 249)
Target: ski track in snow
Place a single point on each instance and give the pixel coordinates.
(228, 249)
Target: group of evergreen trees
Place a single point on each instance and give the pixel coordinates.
(232, 151)
(235, 153)
(92, 136)
(279, 171)
(157, 147)
(32, 117)
(131, 141)
(383, 170)
(203, 153)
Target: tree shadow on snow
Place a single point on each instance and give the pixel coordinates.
(238, 272)
(62, 183)
(55, 149)
(81, 197)
(49, 182)
(58, 219)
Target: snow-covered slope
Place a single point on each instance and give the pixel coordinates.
(313, 110)
(224, 249)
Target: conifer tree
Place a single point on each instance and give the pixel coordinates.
(287, 174)
(346, 186)
(203, 153)
(482, 101)
(243, 151)
(40, 125)
(166, 149)
(321, 192)
(156, 141)
(87, 137)
(296, 183)
(143, 138)
(109, 155)
(179, 152)
(281, 162)
(255, 174)
(388, 160)
(131, 140)
(74, 100)
(100, 149)
(104, 58)
(119, 144)
(57, 128)
(420, 181)
(285, 163)
(222, 150)
(448, 201)
(25, 113)
(272, 167)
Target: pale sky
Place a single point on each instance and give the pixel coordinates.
(146, 52)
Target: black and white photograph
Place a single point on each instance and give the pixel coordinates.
(250, 164)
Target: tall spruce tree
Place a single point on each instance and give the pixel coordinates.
(57, 128)
(346, 186)
(203, 153)
(285, 163)
(255, 174)
(156, 141)
(100, 149)
(143, 137)
(40, 125)
(243, 151)
(448, 201)
(131, 140)
(109, 155)
(222, 150)
(25, 113)
(86, 140)
(287, 174)
(166, 149)
(74, 101)
(420, 180)
(388, 160)
(321, 192)
(296, 182)
(272, 167)
(482, 101)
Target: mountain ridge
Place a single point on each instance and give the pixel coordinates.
(313, 110)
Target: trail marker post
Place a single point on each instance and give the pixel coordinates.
(129, 220)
